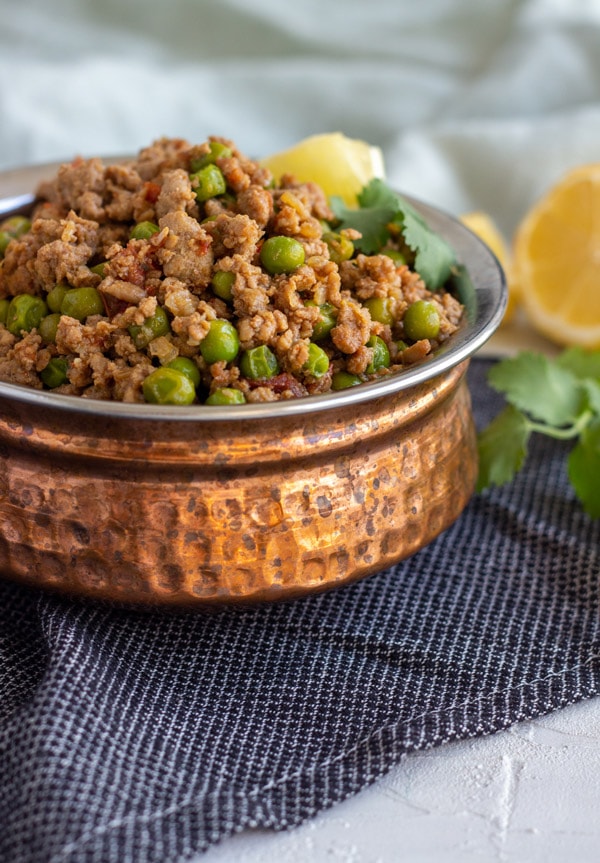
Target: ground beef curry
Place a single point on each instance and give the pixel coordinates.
(187, 275)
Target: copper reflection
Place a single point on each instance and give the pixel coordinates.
(194, 513)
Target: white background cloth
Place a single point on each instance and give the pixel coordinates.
(476, 105)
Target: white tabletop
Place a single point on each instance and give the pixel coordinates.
(527, 795)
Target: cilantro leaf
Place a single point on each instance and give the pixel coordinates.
(559, 398)
(583, 466)
(581, 363)
(502, 448)
(540, 387)
(591, 389)
(371, 220)
(434, 258)
(380, 206)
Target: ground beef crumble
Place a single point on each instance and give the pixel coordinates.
(146, 239)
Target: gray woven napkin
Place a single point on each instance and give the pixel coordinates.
(136, 736)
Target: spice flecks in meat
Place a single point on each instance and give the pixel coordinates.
(200, 263)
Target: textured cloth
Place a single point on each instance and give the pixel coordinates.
(142, 736)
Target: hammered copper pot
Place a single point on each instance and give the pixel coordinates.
(197, 505)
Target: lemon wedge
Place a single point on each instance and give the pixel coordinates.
(340, 165)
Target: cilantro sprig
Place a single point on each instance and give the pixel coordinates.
(381, 208)
(557, 397)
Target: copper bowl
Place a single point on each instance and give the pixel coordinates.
(190, 506)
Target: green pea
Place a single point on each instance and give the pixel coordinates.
(222, 284)
(381, 355)
(98, 269)
(166, 386)
(397, 257)
(226, 396)
(16, 226)
(317, 363)
(325, 322)
(422, 321)
(259, 362)
(281, 255)
(55, 372)
(340, 247)
(48, 327)
(143, 231)
(217, 151)
(187, 367)
(5, 239)
(12, 229)
(402, 346)
(344, 380)
(4, 304)
(154, 326)
(55, 297)
(80, 303)
(380, 309)
(221, 344)
(208, 182)
(24, 313)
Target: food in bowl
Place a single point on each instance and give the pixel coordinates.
(187, 275)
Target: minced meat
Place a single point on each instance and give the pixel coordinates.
(173, 250)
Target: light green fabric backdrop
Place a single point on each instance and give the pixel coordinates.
(476, 103)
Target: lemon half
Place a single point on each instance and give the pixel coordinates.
(557, 260)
